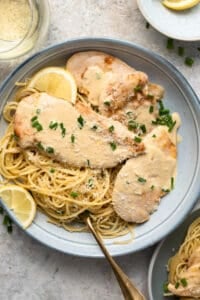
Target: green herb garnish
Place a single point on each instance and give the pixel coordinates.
(107, 103)
(113, 146)
(165, 190)
(138, 88)
(154, 136)
(52, 170)
(88, 162)
(95, 127)
(72, 138)
(150, 96)
(111, 128)
(189, 61)
(40, 146)
(183, 281)
(81, 122)
(132, 125)
(177, 285)
(74, 194)
(137, 139)
(34, 118)
(172, 183)
(152, 187)
(63, 130)
(142, 180)
(151, 109)
(50, 150)
(143, 128)
(53, 125)
(170, 43)
(165, 287)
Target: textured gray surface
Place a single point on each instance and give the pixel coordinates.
(31, 271)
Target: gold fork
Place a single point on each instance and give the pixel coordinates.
(129, 290)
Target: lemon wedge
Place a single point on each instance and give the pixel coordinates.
(20, 202)
(56, 82)
(180, 4)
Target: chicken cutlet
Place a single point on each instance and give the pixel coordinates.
(142, 181)
(107, 81)
(77, 135)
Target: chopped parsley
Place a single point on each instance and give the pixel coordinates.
(72, 138)
(8, 223)
(50, 150)
(95, 127)
(90, 182)
(164, 118)
(152, 187)
(138, 88)
(165, 287)
(170, 43)
(74, 194)
(172, 183)
(151, 109)
(189, 61)
(142, 180)
(40, 146)
(113, 146)
(132, 125)
(154, 136)
(63, 130)
(165, 190)
(88, 162)
(111, 128)
(35, 123)
(38, 111)
(143, 128)
(53, 125)
(81, 122)
(150, 96)
(183, 281)
(34, 118)
(137, 139)
(107, 103)
(177, 285)
(52, 170)
(129, 113)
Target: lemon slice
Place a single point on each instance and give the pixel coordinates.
(180, 4)
(20, 202)
(56, 82)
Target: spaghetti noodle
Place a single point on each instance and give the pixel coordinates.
(63, 193)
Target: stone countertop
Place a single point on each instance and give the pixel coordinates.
(31, 271)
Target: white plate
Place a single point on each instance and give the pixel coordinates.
(180, 25)
(179, 97)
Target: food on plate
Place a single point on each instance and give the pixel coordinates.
(55, 81)
(180, 4)
(143, 180)
(67, 133)
(184, 266)
(20, 202)
(73, 156)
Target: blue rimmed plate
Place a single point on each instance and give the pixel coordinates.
(179, 97)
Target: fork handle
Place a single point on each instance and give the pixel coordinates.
(128, 289)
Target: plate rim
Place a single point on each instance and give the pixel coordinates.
(169, 68)
(156, 27)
